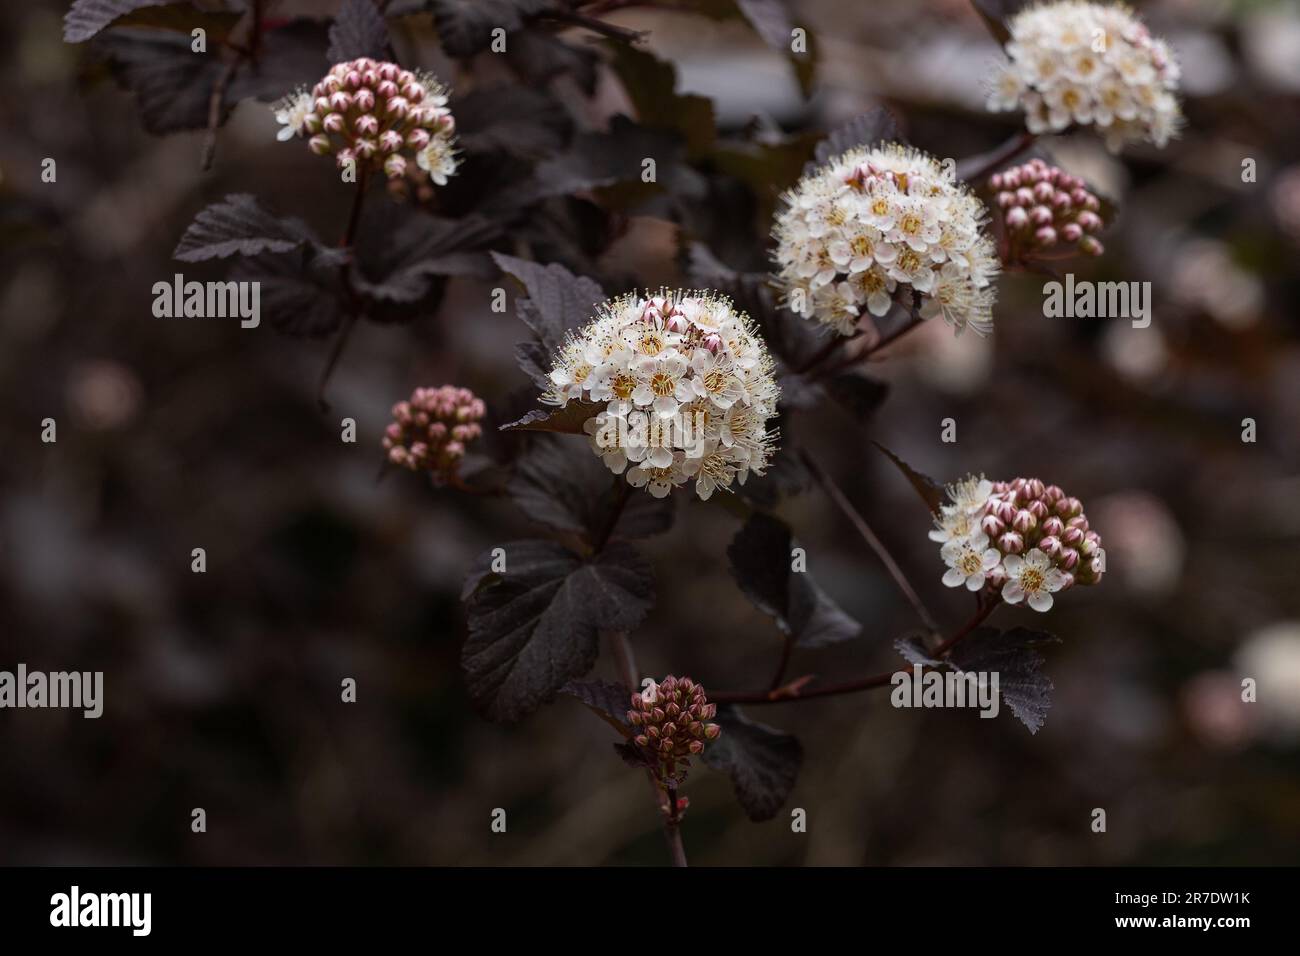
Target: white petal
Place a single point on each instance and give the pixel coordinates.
(1041, 601)
(953, 578)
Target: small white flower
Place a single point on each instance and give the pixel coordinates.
(1031, 577)
(292, 112)
(954, 524)
(437, 159)
(970, 494)
(969, 562)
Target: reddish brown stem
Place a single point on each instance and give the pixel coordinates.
(350, 320)
(796, 690)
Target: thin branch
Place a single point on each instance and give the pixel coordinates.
(215, 102)
(611, 30)
(797, 690)
(860, 525)
(349, 321)
(787, 648)
(989, 162)
(216, 99)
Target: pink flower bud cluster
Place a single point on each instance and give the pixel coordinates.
(1044, 207)
(430, 431)
(1025, 514)
(670, 721)
(379, 116)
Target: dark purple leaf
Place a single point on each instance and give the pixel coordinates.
(359, 30)
(537, 625)
(608, 700)
(931, 491)
(172, 84)
(239, 225)
(465, 26)
(763, 763)
(513, 119)
(560, 483)
(761, 562)
(1014, 656)
(557, 302)
(872, 127)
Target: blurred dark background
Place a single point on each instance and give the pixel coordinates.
(222, 688)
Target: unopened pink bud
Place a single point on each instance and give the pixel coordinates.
(1017, 218)
(1090, 246)
(364, 100)
(1046, 236)
(395, 167)
(1040, 216)
(1089, 221)
(1071, 232)
(320, 145)
(1011, 543)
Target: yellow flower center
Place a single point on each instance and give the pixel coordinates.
(623, 385)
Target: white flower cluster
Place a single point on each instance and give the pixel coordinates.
(686, 388)
(872, 221)
(1022, 538)
(1091, 64)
